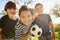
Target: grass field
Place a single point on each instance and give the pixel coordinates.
(57, 35)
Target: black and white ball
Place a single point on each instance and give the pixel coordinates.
(36, 31)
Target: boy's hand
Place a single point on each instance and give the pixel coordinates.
(0, 34)
(53, 36)
(0, 37)
(29, 32)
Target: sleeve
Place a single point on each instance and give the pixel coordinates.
(49, 18)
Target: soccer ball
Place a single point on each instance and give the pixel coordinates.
(36, 31)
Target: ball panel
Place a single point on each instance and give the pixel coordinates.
(33, 29)
(36, 31)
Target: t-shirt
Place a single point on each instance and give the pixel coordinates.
(43, 22)
(21, 30)
(8, 27)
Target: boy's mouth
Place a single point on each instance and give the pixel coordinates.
(13, 13)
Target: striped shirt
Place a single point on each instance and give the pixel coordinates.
(21, 30)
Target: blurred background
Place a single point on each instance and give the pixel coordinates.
(51, 7)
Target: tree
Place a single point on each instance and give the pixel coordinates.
(3, 12)
(23, 1)
(57, 28)
(55, 10)
(26, 2)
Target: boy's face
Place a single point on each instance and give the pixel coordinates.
(39, 8)
(11, 12)
(26, 17)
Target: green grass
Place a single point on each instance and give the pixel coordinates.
(57, 35)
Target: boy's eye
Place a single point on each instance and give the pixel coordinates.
(26, 16)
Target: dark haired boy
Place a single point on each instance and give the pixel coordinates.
(44, 21)
(24, 24)
(7, 22)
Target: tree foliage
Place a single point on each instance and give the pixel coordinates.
(23, 1)
(57, 28)
(55, 10)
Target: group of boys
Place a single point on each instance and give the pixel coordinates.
(18, 29)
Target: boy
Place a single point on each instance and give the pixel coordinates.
(45, 22)
(7, 22)
(25, 21)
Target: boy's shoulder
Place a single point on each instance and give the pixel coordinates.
(19, 23)
(44, 15)
(4, 17)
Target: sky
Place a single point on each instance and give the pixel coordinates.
(48, 4)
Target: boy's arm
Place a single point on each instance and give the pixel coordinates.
(1, 27)
(0, 34)
(52, 30)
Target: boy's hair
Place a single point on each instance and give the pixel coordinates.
(10, 5)
(23, 8)
(39, 4)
